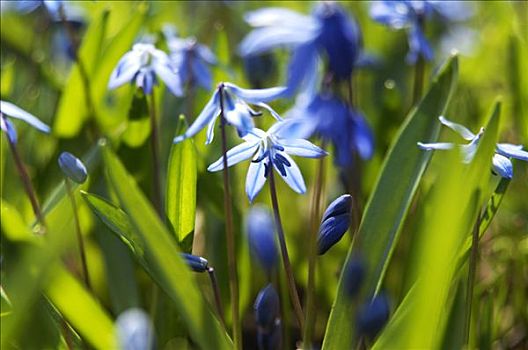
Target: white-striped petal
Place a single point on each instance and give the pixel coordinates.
(458, 128)
(10, 110)
(235, 155)
(302, 148)
(293, 176)
(255, 179)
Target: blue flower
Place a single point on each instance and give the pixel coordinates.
(412, 15)
(335, 222)
(373, 316)
(8, 109)
(328, 33)
(135, 331)
(261, 237)
(73, 167)
(196, 263)
(501, 163)
(142, 66)
(191, 59)
(237, 112)
(269, 149)
(267, 308)
(334, 121)
(354, 275)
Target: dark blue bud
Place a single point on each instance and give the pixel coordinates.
(336, 221)
(196, 263)
(134, 330)
(72, 167)
(373, 316)
(266, 308)
(354, 275)
(261, 237)
(270, 340)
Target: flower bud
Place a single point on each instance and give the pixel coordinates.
(373, 316)
(196, 263)
(353, 276)
(270, 340)
(261, 237)
(266, 308)
(134, 330)
(72, 167)
(336, 221)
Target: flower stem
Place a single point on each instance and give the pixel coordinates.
(80, 241)
(473, 261)
(28, 186)
(230, 237)
(284, 253)
(312, 255)
(216, 291)
(154, 145)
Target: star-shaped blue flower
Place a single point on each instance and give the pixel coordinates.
(234, 101)
(501, 163)
(269, 149)
(7, 109)
(328, 33)
(142, 66)
(411, 15)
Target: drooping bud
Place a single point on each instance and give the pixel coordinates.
(354, 275)
(336, 221)
(196, 263)
(261, 237)
(72, 167)
(373, 316)
(134, 330)
(267, 308)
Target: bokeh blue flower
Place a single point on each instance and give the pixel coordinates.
(261, 237)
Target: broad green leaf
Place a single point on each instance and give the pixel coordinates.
(180, 199)
(388, 205)
(168, 269)
(80, 309)
(453, 210)
(73, 109)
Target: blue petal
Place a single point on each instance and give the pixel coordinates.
(363, 137)
(201, 74)
(9, 129)
(341, 205)
(458, 128)
(302, 148)
(331, 232)
(265, 39)
(302, 70)
(256, 95)
(454, 10)
(502, 166)
(125, 71)
(235, 155)
(255, 179)
(271, 110)
(267, 307)
(206, 54)
(293, 176)
(238, 115)
(261, 237)
(277, 16)
(169, 77)
(208, 115)
(418, 45)
(15, 112)
(134, 330)
(395, 14)
(512, 151)
(73, 167)
(435, 146)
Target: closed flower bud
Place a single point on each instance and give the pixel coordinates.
(270, 340)
(134, 330)
(373, 316)
(266, 308)
(261, 237)
(72, 167)
(354, 275)
(196, 263)
(336, 221)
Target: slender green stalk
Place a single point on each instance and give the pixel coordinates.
(230, 237)
(156, 165)
(473, 261)
(80, 240)
(28, 186)
(310, 307)
(216, 291)
(295, 300)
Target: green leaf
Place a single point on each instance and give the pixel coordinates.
(388, 205)
(180, 199)
(161, 252)
(80, 309)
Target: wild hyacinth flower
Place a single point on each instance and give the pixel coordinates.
(501, 163)
(412, 15)
(196, 263)
(261, 237)
(373, 315)
(267, 150)
(327, 33)
(7, 109)
(191, 59)
(142, 66)
(336, 221)
(135, 331)
(234, 102)
(334, 121)
(72, 167)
